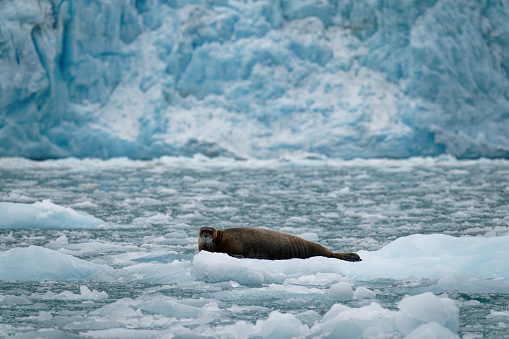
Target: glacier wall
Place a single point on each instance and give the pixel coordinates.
(146, 78)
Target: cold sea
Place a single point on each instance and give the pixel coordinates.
(108, 248)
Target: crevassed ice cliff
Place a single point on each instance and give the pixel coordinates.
(145, 78)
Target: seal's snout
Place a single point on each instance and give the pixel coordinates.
(206, 238)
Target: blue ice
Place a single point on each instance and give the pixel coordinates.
(254, 79)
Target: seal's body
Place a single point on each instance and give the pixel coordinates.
(257, 243)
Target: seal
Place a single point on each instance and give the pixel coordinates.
(258, 243)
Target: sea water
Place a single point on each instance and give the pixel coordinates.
(108, 249)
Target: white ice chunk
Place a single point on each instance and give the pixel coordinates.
(436, 315)
(60, 241)
(431, 331)
(92, 295)
(319, 279)
(217, 267)
(44, 214)
(43, 316)
(89, 248)
(279, 325)
(85, 294)
(427, 308)
(364, 293)
(36, 263)
(13, 300)
(435, 256)
(341, 291)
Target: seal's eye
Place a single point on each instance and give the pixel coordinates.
(205, 232)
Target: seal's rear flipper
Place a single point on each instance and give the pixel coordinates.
(348, 256)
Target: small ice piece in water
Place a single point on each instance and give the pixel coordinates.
(44, 316)
(14, 300)
(432, 331)
(494, 314)
(364, 293)
(92, 295)
(60, 241)
(426, 308)
(279, 325)
(341, 291)
(309, 317)
(420, 315)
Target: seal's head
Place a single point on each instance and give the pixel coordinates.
(206, 238)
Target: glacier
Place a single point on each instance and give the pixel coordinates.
(254, 79)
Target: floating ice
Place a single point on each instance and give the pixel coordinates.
(44, 214)
(364, 293)
(465, 263)
(436, 256)
(157, 273)
(217, 267)
(423, 256)
(156, 267)
(424, 313)
(341, 291)
(36, 263)
(427, 308)
(85, 294)
(277, 325)
(375, 321)
(14, 300)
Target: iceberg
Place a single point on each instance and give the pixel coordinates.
(44, 214)
(35, 263)
(254, 79)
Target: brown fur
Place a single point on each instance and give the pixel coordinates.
(257, 243)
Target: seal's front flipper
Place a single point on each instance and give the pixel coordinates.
(237, 256)
(348, 256)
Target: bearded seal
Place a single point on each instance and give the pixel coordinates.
(257, 243)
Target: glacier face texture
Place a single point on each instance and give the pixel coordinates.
(146, 78)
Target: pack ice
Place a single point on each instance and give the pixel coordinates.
(466, 263)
